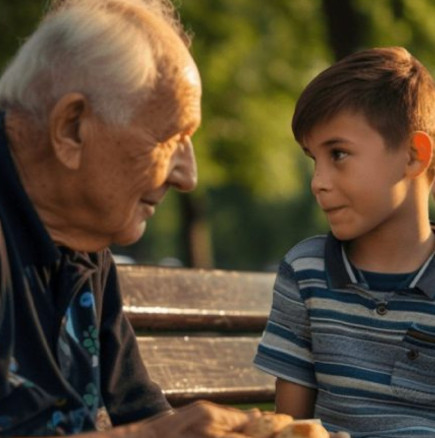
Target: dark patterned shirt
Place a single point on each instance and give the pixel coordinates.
(68, 356)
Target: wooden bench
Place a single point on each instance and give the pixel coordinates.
(198, 330)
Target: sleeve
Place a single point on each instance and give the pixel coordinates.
(285, 348)
(21, 402)
(5, 316)
(128, 392)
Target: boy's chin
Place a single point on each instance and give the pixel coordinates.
(343, 235)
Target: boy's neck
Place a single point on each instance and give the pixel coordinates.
(391, 252)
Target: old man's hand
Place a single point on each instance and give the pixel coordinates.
(203, 420)
(207, 420)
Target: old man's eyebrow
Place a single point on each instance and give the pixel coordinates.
(187, 129)
(191, 127)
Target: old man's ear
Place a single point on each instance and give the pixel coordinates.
(65, 121)
(421, 152)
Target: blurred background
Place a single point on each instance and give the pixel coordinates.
(253, 200)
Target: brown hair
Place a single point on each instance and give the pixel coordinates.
(390, 87)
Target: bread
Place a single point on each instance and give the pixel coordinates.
(267, 425)
(303, 429)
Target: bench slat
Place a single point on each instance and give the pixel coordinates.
(165, 298)
(218, 369)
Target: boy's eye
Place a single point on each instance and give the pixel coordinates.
(338, 155)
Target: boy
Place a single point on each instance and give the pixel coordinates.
(351, 333)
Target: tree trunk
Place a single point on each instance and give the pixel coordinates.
(345, 27)
(195, 231)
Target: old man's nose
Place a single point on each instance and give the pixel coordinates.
(184, 174)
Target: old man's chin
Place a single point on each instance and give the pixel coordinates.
(130, 235)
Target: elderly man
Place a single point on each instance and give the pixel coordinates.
(97, 113)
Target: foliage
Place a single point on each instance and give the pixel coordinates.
(255, 57)
(17, 20)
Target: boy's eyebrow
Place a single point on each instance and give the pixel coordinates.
(334, 141)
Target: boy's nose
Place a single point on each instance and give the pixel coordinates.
(320, 180)
(184, 175)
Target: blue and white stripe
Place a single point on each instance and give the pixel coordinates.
(374, 372)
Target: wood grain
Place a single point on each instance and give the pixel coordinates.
(214, 368)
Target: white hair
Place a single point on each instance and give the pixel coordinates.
(105, 49)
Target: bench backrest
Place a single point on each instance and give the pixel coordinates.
(198, 330)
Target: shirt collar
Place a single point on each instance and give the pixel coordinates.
(340, 273)
(18, 216)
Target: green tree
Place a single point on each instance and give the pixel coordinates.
(252, 65)
(253, 199)
(17, 20)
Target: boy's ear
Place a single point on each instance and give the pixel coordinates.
(421, 153)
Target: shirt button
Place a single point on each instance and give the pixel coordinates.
(412, 354)
(381, 309)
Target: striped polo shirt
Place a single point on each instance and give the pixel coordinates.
(370, 354)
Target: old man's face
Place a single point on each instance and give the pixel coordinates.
(132, 167)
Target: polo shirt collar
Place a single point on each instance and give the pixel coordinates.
(19, 217)
(340, 273)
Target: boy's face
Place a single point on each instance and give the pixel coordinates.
(360, 184)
